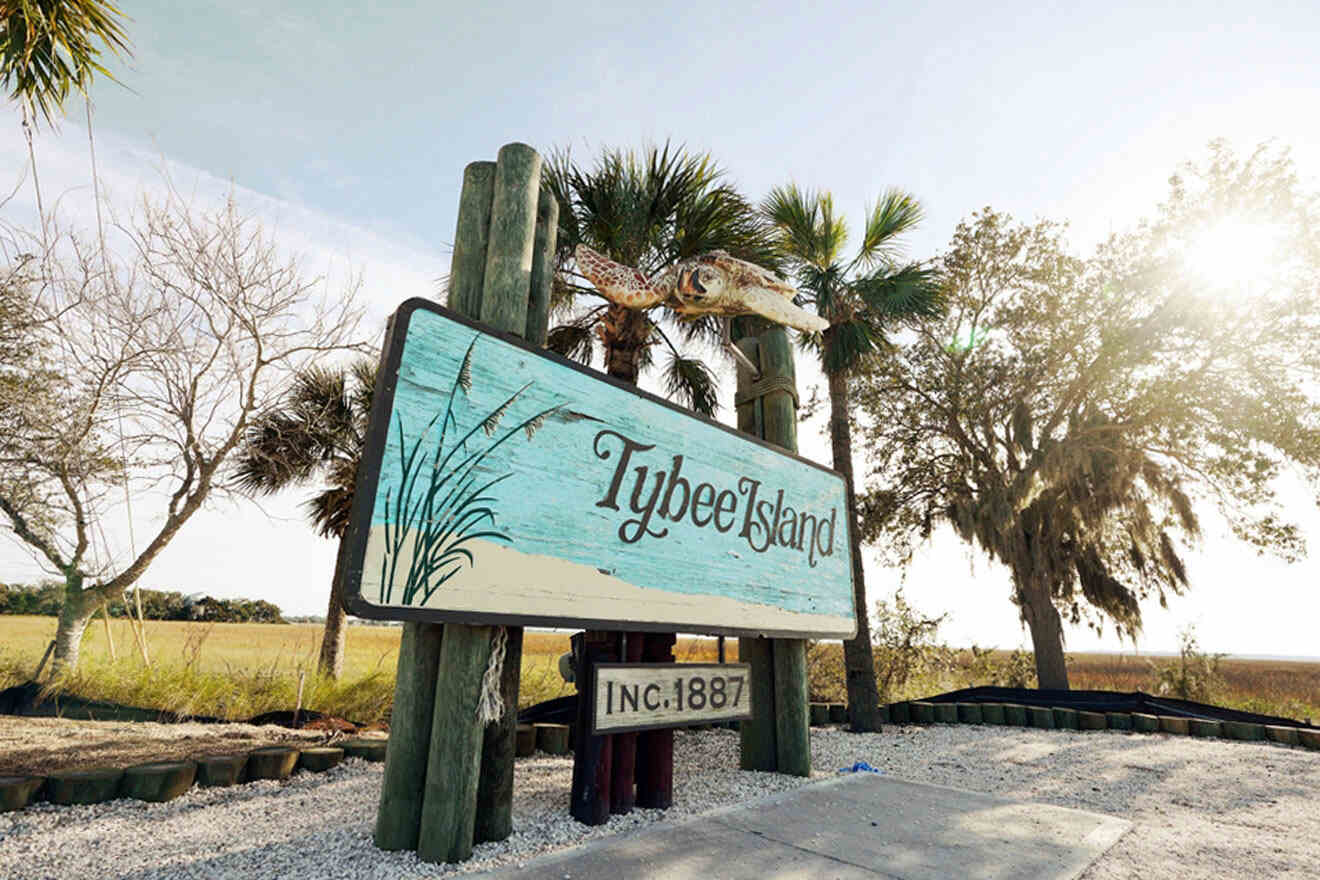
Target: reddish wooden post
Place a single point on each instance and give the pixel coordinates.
(592, 755)
(622, 790)
(655, 748)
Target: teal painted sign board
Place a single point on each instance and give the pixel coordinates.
(503, 484)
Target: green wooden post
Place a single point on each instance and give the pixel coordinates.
(467, 270)
(757, 735)
(779, 404)
(792, 709)
(449, 814)
(400, 812)
(779, 417)
(495, 788)
(467, 771)
(401, 794)
(512, 238)
(506, 290)
(778, 737)
(543, 267)
(494, 806)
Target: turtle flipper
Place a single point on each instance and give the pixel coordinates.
(772, 305)
(618, 283)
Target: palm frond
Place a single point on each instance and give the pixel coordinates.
(808, 231)
(48, 47)
(895, 213)
(702, 330)
(691, 382)
(910, 292)
(574, 341)
(322, 391)
(278, 450)
(330, 508)
(364, 387)
(846, 343)
(821, 286)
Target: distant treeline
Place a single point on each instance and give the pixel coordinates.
(45, 599)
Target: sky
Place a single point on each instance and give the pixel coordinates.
(346, 127)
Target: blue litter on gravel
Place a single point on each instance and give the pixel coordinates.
(860, 767)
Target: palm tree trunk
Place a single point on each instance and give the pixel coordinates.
(858, 659)
(626, 333)
(1046, 636)
(331, 663)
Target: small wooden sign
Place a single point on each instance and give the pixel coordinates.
(646, 696)
(503, 484)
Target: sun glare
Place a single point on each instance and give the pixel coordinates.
(1230, 253)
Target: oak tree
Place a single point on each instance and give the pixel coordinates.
(1074, 417)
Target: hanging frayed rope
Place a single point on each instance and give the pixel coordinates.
(490, 705)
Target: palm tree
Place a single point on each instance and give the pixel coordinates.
(648, 211)
(316, 431)
(862, 299)
(48, 47)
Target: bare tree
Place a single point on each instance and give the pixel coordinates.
(151, 365)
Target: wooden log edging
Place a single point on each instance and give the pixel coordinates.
(158, 782)
(1064, 718)
(1145, 723)
(16, 792)
(165, 780)
(969, 713)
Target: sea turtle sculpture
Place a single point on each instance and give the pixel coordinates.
(711, 284)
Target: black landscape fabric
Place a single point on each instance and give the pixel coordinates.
(1108, 701)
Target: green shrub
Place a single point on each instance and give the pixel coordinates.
(1194, 675)
(904, 644)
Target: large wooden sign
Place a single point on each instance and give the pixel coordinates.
(646, 696)
(504, 484)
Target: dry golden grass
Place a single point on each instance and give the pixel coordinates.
(216, 647)
(1288, 689)
(236, 670)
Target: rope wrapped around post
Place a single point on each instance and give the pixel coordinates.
(766, 385)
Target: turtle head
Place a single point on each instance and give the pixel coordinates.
(702, 281)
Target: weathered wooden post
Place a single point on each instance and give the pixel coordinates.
(757, 735)
(447, 781)
(457, 778)
(400, 813)
(624, 769)
(523, 229)
(778, 738)
(593, 754)
(655, 748)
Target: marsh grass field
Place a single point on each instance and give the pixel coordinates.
(238, 670)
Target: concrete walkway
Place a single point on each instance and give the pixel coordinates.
(857, 826)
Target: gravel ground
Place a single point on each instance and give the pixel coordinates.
(1201, 808)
